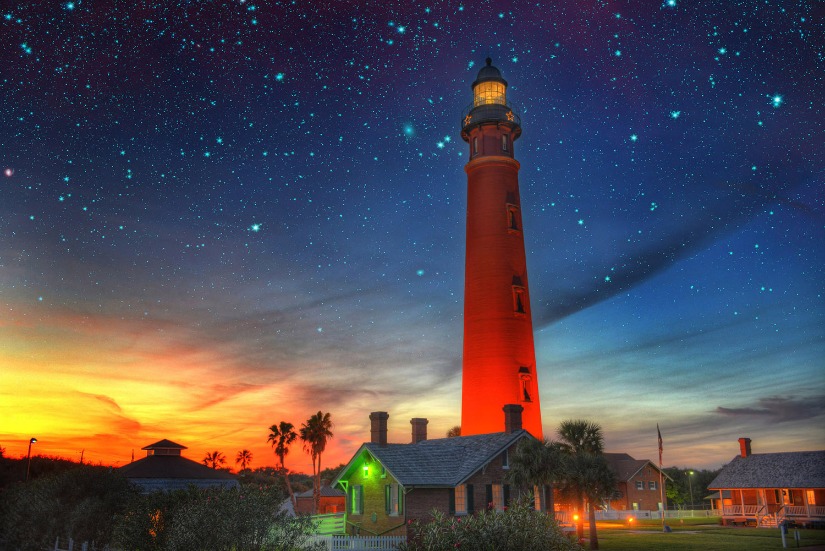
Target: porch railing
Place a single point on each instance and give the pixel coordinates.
(800, 511)
(743, 510)
(329, 524)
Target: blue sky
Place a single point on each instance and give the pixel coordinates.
(221, 215)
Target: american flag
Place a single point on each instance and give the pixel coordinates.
(660, 443)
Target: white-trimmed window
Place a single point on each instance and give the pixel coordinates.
(640, 484)
(651, 484)
(357, 499)
(393, 499)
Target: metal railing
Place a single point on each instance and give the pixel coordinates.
(490, 112)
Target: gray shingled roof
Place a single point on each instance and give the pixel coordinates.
(440, 462)
(626, 467)
(773, 470)
(172, 466)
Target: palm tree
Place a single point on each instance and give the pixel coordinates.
(244, 457)
(593, 479)
(582, 443)
(214, 459)
(537, 463)
(281, 436)
(314, 434)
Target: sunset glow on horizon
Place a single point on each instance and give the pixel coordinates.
(217, 216)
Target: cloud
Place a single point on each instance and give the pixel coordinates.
(780, 408)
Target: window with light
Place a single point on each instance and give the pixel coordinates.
(498, 497)
(461, 499)
(490, 92)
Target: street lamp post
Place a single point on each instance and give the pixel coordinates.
(29, 457)
(690, 485)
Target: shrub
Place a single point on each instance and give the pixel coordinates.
(82, 503)
(246, 519)
(518, 528)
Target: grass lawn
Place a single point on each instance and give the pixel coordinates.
(698, 534)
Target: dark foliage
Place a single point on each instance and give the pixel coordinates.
(81, 502)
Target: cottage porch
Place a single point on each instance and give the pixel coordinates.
(773, 506)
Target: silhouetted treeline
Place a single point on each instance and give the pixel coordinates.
(96, 504)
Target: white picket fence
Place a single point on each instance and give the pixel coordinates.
(359, 543)
(76, 546)
(613, 514)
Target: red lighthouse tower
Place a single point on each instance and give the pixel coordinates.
(499, 356)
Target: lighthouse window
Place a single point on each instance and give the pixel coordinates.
(504, 142)
(489, 92)
(518, 300)
(513, 218)
(475, 145)
(525, 379)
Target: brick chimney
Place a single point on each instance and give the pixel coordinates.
(744, 447)
(419, 429)
(512, 417)
(378, 427)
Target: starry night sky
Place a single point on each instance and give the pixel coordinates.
(218, 215)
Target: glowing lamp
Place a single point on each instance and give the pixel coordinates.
(489, 88)
(576, 518)
(29, 457)
(366, 470)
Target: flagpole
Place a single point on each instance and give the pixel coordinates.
(661, 478)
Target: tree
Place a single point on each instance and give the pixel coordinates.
(315, 433)
(281, 436)
(454, 431)
(585, 469)
(536, 463)
(330, 473)
(592, 478)
(244, 457)
(214, 459)
(681, 484)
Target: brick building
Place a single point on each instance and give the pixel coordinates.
(332, 501)
(388, 485)
(638, 483)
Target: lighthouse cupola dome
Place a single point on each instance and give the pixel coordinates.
(488, 73)
(489, 86)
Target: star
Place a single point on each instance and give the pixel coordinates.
(467, 119)
(510, 116)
